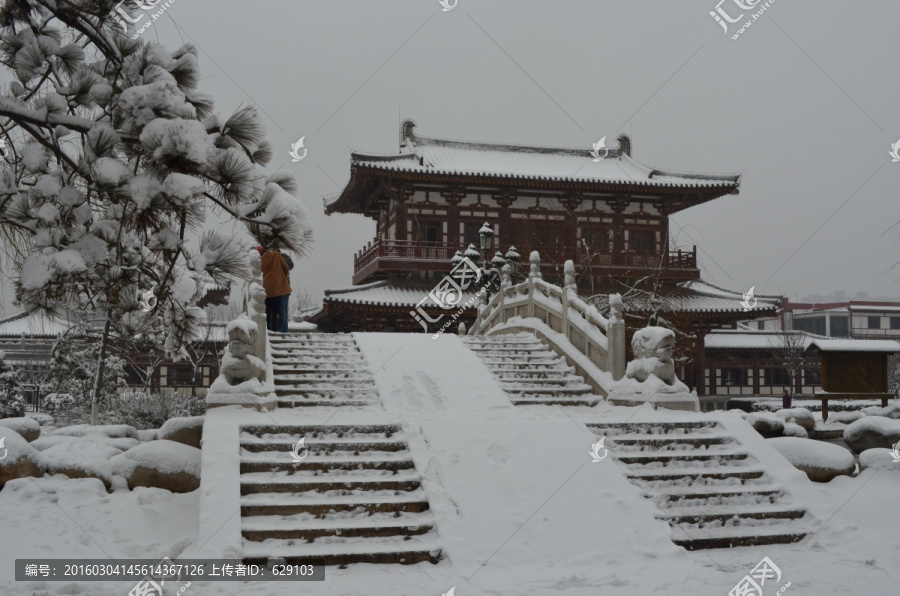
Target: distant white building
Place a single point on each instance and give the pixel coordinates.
(854, 319)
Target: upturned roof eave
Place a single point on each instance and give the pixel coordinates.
(364, 176)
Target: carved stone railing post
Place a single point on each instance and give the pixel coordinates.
(615, 335)
(246, 373)
(256, 306)
(569, 286)
(533, 273)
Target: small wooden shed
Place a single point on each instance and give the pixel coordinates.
(854, 369)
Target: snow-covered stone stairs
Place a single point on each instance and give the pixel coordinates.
(355, 497)
(530, 372)
(320, 369)
(713, 493)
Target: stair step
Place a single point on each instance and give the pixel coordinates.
(540, 358)
(302, 503)
(553, 373)
(717, 474)
(731, 537)
(325, 485)
(561, 381)
(684, 440)
(663, 457)
(322, 446)
(340, 431)
(652, 429)
(527, 389)
(509, 349)
(555, 365)
(382, 550)
(543, 401)
(286, 528)
(322, 403)
(704, 515)
(248, 467)
(678, 494)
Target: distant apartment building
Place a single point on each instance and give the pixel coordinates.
(854, 319)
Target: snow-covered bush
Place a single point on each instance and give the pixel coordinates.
(58, 402)
(115, 161)
(143, 410)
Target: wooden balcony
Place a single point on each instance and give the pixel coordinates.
(382, 256)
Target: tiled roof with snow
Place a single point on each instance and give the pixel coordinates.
(886, 346)
(441, 156)
(751, 340)
(699, 296)
(33, 325)
(388, 293)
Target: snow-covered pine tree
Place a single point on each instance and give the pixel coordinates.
(12, 403)
(73, 368)
(115, 161)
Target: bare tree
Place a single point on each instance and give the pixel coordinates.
(789, 349)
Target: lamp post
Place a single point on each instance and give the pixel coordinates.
(486, 235)
(513, 258)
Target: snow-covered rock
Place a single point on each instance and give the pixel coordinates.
(891, 411)
(147, 435)
(161, 464)
(109, 430)
(878, 459)
(792, 429)
(28, 428)
(82, 457)
(819, 460)
(800, 416)
(20, 460)
(870, 432)
(48, 441)
(187, 430)
(738, 412)
(766, 424)
(845, 417)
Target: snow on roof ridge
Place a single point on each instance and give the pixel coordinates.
(827, 344)
(374, 284)
(730, 291)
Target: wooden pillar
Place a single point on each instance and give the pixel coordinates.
(453, 196)
(618, 206)
(700, 360)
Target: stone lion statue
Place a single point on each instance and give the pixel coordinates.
(652, 348)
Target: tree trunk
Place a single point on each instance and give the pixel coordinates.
(98, 378)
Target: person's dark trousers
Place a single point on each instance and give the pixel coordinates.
(272, 305)
(281, 325)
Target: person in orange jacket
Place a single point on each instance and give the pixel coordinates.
(276, 279)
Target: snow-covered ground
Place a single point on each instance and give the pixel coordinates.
(520, 507)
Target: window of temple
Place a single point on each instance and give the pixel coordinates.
(642, 241)
(734, 377)
(427, 231)
(597, 240)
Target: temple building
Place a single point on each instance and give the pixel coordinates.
(602, 209)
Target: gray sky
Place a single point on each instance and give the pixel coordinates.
(804, 103)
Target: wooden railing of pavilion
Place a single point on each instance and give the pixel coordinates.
(592, 343)
(408, 252)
